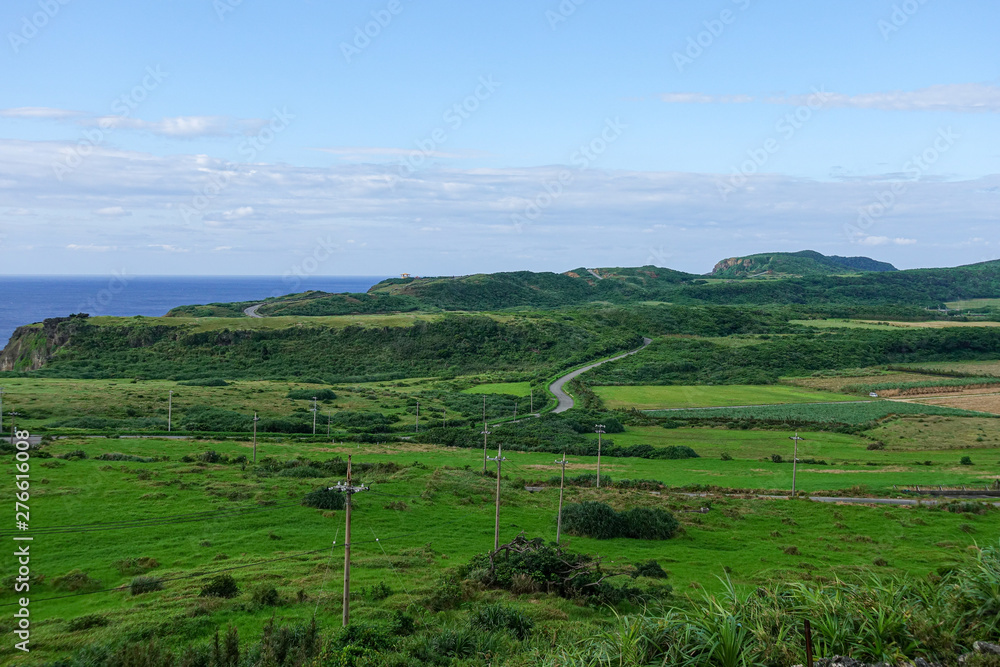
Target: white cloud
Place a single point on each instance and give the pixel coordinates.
(91, 247)
(19, 211)
(178, 127)
(167, 248)
(113, 212)
(363, 153)
(883, 240)
(42, 113)
(236, 214)
(957, 97)
(901, 241)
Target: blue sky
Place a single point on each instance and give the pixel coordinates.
(252, 137)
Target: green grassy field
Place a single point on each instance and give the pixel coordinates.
(445, 517)
(667, 397)
(856, 413)
(510, 388)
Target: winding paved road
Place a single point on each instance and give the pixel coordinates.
(252, 311)
(565, 400)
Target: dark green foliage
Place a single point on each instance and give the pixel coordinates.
(554, 570)
(265, 596)
(446, 594)
(95, 423)
(313, 304)
(309, 394)
(600, 521)
(499, 617)
(776, 458)
(132, 565)
(368, 422)
(651, 569)
(203, 418)
(324, 499)
(966, 461)
(76, 580)
(87, 622)
(116, 456)
(205, 382)
(222, 586)
(377, 592)
(74, 455)
(145, 584)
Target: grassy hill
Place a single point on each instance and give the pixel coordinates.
(804, 263)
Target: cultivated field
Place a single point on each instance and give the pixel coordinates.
(668, 397)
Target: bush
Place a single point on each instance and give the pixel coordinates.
(75, 455)
(726, 456)
(116, 456)
(205, 382)
(965, 461)
(135, 565)
(76, 580)
(648, 523)
(265, 596)
(324, 499)
(145, 584)
(309, 394)
(600, 521)
(776, 458)
(222, 586)
(379, 591)
(499, 618)
(651, 569)
(447, 594)
(87, 622)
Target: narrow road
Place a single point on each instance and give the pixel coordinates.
(565, 401)
(594, 273)
(252, 311)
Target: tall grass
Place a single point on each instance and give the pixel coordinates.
(873, 619)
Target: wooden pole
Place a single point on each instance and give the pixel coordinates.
(347, 548)
(600, 432)
(255, 420)
(809, 645)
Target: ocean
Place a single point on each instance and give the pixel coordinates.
(28, 299)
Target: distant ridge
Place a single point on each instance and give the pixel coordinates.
(804, 263)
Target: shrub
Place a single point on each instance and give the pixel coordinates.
(966, 461)
(211, 456)
(87, 622)
(324, 499)
(726, 456)
(379, 591)
(648, 523)
(265, 596)
(76, 580)
(459, 643)
(598, 520)
(309, 394)
(222, 586)
(499, 618)
(75, 455)
(776, 458)
(116, 456)
(144, 584)
(205, 382)
(650, 568)
(447, 594)
(135, 565)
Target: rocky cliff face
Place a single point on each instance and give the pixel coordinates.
(31, 346)
(735, 265)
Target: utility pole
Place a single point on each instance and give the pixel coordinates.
(515, 412)
(329, 421)
(795, 459)
(486, 432)
(314, 415)
(170, 408)
(562, 485)
(349, 491)
(255, 420)
(599, 429)
(496, 522)
(531, 401)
